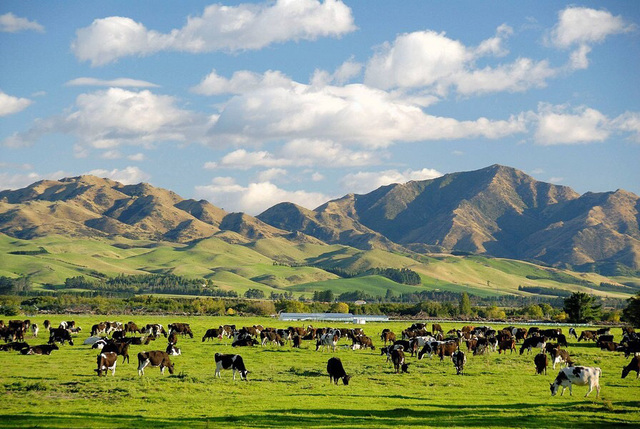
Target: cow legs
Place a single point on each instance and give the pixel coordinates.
(142, 366)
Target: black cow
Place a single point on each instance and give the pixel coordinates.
(634, 365)
(244, 342)
(44, 349)
(212, 333)
(541, 362)
(60, 335)
(459, 359)
(398, 359)
(107, 361)
(15, 345)
(336, 371)
(154, 358)
(603, 339)
(233, 362)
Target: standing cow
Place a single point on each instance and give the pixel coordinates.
(578, 375)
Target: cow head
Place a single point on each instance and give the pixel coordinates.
(346, 379)
(625, 371)
(405, 367)
(554, 388)
(170, 368)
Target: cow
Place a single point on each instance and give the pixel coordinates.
(16, 345)
(60, 335)
(362, 342)
(92, 340)
(328, 340)
(562, 340)
(446, 349)
(46, 324)
(145, 340)
(172, 350)
(296, 341)
(131, 327)
(398, 359)
(437, 328)
(387, 350)
(578, 375)
(428, 348)
(44, 349)
(180, 328)
(551, 333)
(67, 324)
(107, 361)
(387, 336)
(459, 359)
(533, 342)
(588, 335)
(35, 329)
(573, 333)
(603, 331)
(336, 371)
(271, 337)
(154, 329)
(212, 333)
(609, 345)
(154, 358)
(98, 328)
(634, 365)
(631, 347)
(245, 342)
(541, 361)
(520, 334)
(603, 339)
(228, 330)
(121, 349)
(560, 356)
(118, 335)
(507, 345)
(233, 362)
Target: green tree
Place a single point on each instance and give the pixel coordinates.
(534, 312)
(631, 314)
(465, 304)
(581, 308)
(254, 293)
(339, 307)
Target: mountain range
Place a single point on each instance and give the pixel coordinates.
(498, 211)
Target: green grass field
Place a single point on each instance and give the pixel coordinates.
(290, 388)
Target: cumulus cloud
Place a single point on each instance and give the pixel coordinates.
(363, 182)
(21, 180)
(628, 122)
(518, 76)
(219, 28)
(127, 176)
(10, 104)
(580, 25)
(271, 174)
(241, 82)
(10, 23)
(120, 82)
(256, 197)
(561, 125)
(353, 113)
(109, 118)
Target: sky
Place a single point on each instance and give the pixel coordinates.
(248, 104)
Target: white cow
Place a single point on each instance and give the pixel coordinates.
(578, 375)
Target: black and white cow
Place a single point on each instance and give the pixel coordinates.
(560, 356)
(459, 359)
(533, 342)
(398, 359)
(233, 362)
(336, 371)
(634, 365)
(107, 362)
(328, 340)
(60, 335)
(154, 358)
(172, 350)
(578, 375)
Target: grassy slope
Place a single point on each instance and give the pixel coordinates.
(241, 267)
(290, 388)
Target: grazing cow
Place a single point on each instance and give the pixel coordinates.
(154, 358)
(118, 335)
(609, 345)
(180, 328)
(603, 331)
(245, 342)
(634, 365)
(271, 337)
(588, 335)
(578, 375)
(428, 348)
(228, 330)
(154, 329)
(60, 335)
(534, 330)
(631, 347)
(560, 356)
(172, 350)
(44, 349)
(35, 329)
(98, 328)
(173, 337)
(387, 336)
(541, 362)
(233, 362)
(212, 333)
(136, 341)
(533, 342)
(328, 340)
(603, 339)
(573, 333)
(107, 361)
(520, 334)
(437, 328)
(131, 327)
(16, 345)
(46, 324)
(507, 345)
(121, 349)
(446, 349)
(397, 357)
(562, 340)
(551, 333)
(336, 371)
(362, 342)
(67, 324)
(296, 341)
(459, 359)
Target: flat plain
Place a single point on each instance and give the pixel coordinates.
(290, 387)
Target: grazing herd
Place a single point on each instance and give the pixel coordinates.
(114, 339)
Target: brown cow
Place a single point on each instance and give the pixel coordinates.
(588, 335)
(387, 335)
(154, 358)
(107, 361)
(437, 328)
(181, 328)
(446, 349)
(507, 345)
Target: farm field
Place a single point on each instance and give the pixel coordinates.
(290, 387)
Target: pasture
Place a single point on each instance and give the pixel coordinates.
(290, 387)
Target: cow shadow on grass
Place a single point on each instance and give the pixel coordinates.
(437, 415)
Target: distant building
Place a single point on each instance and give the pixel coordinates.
(333, 317)
(360, 302)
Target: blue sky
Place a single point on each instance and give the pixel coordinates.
(250, 104)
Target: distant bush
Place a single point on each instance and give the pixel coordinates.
(541, 290)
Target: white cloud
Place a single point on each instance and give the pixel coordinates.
(580, 25)
(136, 157)
(111, 154)
(219, 28)
(628, 122)
(347, 71)
(17, 181)
(363, 182)
(241, 82)
(108, 118)
(10, 104)
(271, 174)
(120, 82)
(556, 179)
(9, 23)
(560, 125)
(127, 176)
(342, 114)
(518, 76)
(317, 177)
(255, 197)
